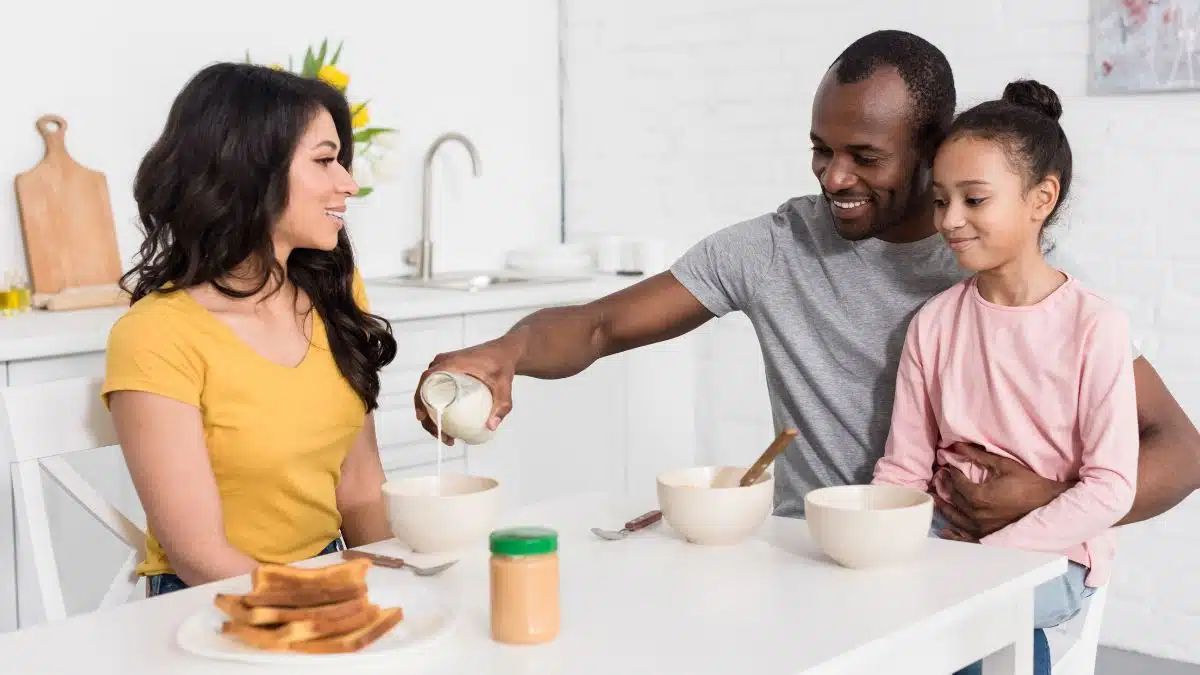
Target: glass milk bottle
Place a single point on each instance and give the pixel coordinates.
(459, 404)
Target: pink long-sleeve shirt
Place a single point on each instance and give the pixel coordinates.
(1048, 385)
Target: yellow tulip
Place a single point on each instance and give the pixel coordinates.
(276, 66)
(333, 76)
(361, 118)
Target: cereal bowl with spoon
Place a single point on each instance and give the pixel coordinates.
(720, 505)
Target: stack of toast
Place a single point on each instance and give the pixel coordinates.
(321, 610)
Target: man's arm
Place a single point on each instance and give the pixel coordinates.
(1169, 453)
(559, 342)
(1168, 468)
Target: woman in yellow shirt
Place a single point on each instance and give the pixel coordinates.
(243, 378)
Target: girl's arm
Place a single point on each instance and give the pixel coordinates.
(912, 441)
(162, 440)
(1108, 427)
(360, 491)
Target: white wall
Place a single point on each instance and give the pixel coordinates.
(489, 70)
(682, 117)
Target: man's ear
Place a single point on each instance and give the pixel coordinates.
(924, 176)
(928, 151)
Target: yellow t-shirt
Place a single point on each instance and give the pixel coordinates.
(276, 435)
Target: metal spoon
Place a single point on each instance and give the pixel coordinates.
(643, 521)
(397, 563)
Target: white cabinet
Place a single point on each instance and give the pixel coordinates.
(33, 371)
(563, 436)
(455, 465)
(403, 443)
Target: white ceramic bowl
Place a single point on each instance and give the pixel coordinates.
(707, 507)
(442, 515)
(862, 526)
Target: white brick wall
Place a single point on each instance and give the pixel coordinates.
(683, 116)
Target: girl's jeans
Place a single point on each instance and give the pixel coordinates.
(1054, 602)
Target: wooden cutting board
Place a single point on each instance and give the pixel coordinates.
(66, 219)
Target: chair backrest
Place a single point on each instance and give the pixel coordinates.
(1073, 645)
(1089, 631)
(44, 423)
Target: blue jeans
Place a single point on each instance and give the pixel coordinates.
(1054, 602)
(158, 584)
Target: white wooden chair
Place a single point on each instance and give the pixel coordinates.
(1073, 644)
(45, 422)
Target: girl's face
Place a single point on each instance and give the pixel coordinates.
(982, 206)
(317, 190)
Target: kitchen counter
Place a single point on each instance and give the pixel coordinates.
(40, 334)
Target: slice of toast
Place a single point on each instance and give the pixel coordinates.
(278, 637)
(287, 586)
(301, 598)
(240, 612)
(355, 640)
(351, 573)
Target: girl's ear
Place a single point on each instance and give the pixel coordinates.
(1044, 196)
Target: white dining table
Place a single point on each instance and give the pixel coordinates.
(651, 603)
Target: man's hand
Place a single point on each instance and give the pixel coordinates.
(493, 363)
(1008, 493)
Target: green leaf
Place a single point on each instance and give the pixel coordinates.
(321, 55)
(336, 54)
(310, 62)
(248, 56)
(364, 191)
(291, 69)
(369, 134)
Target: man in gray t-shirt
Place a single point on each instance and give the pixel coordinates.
(830, 282)
(832, 378)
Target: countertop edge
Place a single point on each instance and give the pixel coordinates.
(41, 334)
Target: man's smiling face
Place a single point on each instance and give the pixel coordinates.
(865, 152)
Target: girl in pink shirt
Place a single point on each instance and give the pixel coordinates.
(1020, 358)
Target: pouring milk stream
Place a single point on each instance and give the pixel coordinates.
(460, 405)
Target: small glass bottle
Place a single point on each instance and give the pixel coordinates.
(20, 290)
(8, 295)
(524, 585)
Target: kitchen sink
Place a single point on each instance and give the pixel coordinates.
(479, 281)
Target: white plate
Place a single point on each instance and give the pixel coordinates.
(426, 617)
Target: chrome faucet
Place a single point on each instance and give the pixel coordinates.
(424, 252)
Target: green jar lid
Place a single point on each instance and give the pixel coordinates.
(523, 541)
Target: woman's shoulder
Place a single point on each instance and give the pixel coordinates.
(157, 347)
(159, 313)
(165, 324)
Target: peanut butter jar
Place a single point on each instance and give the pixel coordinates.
(524, 585)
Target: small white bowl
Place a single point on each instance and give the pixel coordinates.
(444, 514)
(863, 526)
(706, 505)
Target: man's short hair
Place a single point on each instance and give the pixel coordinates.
(922, 66)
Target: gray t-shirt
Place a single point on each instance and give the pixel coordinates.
(830, 316)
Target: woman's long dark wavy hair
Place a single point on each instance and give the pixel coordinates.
(213, 186)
